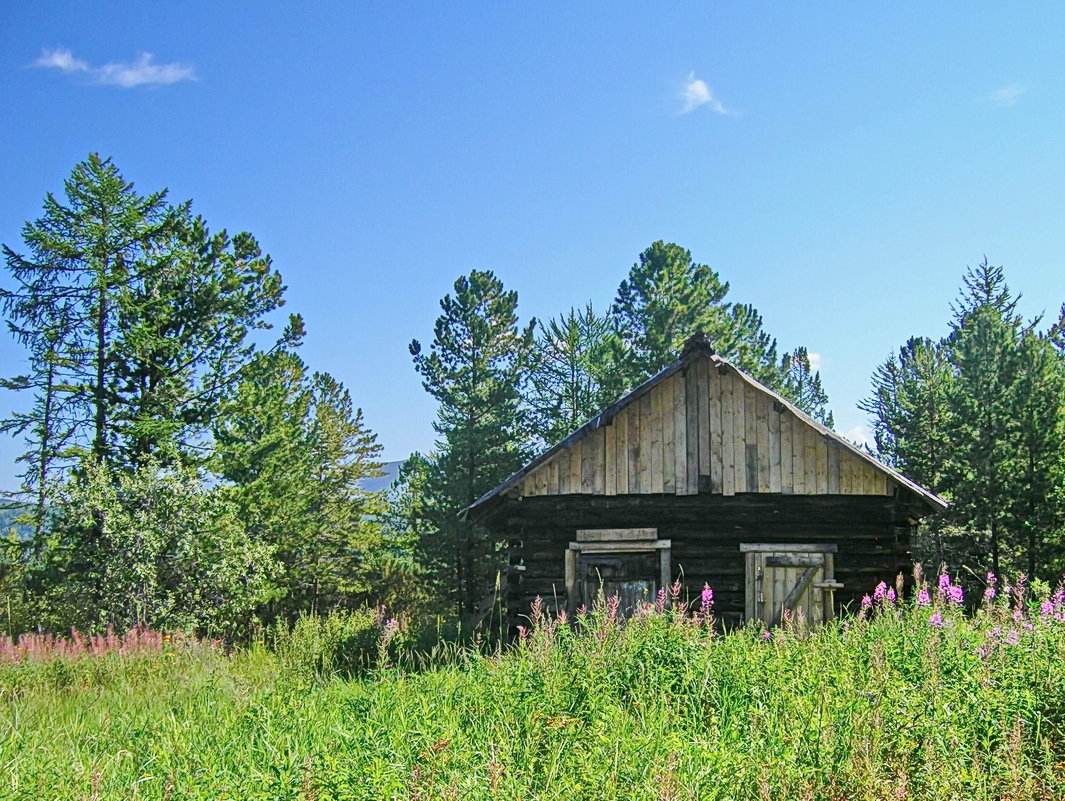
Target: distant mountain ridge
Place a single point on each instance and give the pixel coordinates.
(391, 473)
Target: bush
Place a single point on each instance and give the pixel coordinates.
(343, 643)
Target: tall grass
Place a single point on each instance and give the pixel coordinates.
(904, 700)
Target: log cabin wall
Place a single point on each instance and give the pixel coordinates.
(873, 545)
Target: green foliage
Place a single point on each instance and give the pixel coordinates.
(979, 417)
(295, 450)
(568, 372)
(152, 546)
(318, 647)
(668, 297)
(803, 385)
(657, 708)
(135, 318)
(475, 369)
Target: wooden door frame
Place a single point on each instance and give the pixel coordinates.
(617, 540)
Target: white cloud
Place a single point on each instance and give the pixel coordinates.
(61, 59)
(696, 92)
(142, 72)
(1007, 95)
(815, 361)
(859, 434)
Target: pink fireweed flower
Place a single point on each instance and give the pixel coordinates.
(767, 635)
(954, 593)
(989, 594)
(944, 585)
(880, 591)
(1012, 637)
(660, 600)
(923, 598)
(706, 599)
(523, 633)
(674, 591)
(867, 602)
(936, 621)
(891, 596)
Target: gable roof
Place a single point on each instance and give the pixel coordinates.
(863, 473)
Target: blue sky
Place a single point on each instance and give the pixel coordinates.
(838, 163)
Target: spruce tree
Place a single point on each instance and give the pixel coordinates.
(136, 321)
(978, 417)
(475, 369)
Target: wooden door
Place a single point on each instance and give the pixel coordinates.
(790, 577)
(630, 576)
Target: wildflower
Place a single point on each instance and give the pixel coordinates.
(523, 633)
(767, 635)
(1012, 637)
(989, 594)
(923, 598)
(879, 592)
(660, 600)
(944, 585)
(936, 621)
(674, 591)
(706, 600)
(954, 593)
(891, 596)
(867, 602)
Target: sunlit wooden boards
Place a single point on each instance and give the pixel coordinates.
(705, 428)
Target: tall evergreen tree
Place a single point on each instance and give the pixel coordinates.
(666, 298)
(569, 367)
(475, 369)
(135, 318)
(983, 349)
(296, 451)
(802, 383)
(979, 417)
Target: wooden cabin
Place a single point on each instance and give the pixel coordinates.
(702, 474)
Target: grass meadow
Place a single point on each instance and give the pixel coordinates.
(916, 699)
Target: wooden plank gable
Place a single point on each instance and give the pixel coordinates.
(706, 428)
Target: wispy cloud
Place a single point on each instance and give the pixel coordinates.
(144, 71)
(815, 361)
(1007, 95)
(859, 435)
(697, 93)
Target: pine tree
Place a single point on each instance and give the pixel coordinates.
(978, 417)
(135, 318)
(568, 370)
(803, 384)
(666, 298)
(295, 451)
(475, 369)
(984, 431)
